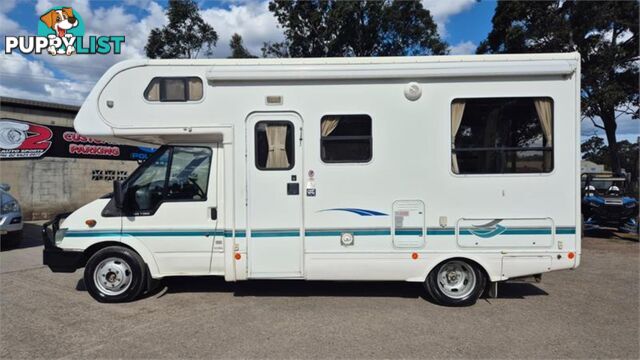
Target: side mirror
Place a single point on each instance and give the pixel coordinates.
(118, 194)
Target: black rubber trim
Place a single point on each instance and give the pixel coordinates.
(59, 260)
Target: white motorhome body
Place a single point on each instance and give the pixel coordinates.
(340, 168)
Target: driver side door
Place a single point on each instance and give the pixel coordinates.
(170, 207)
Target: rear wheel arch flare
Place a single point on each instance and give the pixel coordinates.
(471, 261)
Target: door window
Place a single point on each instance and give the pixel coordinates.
(274, 145)
(189, 174)
(172, 174)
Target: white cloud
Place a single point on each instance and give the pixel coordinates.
(8, 26)
(74, 76)
(463, 48)
(31, 79)
(441, 10)
(252, 20)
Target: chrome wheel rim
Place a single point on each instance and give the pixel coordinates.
(456, 279)
(112, 276)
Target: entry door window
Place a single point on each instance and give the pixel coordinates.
(274, 145)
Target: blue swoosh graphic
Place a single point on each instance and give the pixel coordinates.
(488, 232)
(361, 212)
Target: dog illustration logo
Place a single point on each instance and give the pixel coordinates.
(61, 31)
(61, 21)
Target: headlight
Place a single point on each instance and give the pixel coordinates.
(594, 204)
(631, 204)
(11, 206)
(60, 235)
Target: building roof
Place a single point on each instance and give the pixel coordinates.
(43, 105)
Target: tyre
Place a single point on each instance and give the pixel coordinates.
(456, 282)
(115, 274)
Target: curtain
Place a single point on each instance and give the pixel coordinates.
(195, 89)
(276, 139)
(153, 93)
(457, 110)
(328, 125)
(543, 108)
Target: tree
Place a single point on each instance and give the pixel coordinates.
(595, 150)
(605, 34)
(237, 48)
(323, 28)
(185, 35)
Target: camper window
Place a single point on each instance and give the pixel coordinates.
(174, 89)
(274, 145)
(502, 135)
(345, 138)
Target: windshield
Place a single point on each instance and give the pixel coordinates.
(603, 185)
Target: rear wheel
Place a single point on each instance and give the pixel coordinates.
(456, 282)
(115, 274)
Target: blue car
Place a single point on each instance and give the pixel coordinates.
(605, 204)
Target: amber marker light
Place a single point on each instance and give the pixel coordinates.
(90, 223)
(571, 255)
(414, 256)
(238, 256)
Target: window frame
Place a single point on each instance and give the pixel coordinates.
(111, 211)
(289, 125)
(502, 150)
(162, 90)
(346, 138)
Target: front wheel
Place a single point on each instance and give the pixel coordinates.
(115, 274)
(456, 282)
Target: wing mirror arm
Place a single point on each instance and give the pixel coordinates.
(118, 194)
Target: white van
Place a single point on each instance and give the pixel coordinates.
(453, 171)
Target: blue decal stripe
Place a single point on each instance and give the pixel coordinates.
(361, 212)
(564, 230)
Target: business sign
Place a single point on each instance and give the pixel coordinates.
(23, 140)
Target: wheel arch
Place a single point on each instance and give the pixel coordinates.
(131, 244)
(489, 266)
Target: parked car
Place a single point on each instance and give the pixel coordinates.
(606, 203)
(10, 218)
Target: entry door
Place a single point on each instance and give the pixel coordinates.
(274, 200)
(170, 202)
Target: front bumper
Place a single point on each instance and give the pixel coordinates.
(57, 259)
(10, 222)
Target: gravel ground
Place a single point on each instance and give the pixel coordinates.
(592, 312)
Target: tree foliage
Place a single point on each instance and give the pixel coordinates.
(186, 35)
(238, 50)
(595, 150)
(605, 34)
(324, 28)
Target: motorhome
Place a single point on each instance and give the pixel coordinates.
(454, 171)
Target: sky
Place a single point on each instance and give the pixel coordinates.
(461, 23)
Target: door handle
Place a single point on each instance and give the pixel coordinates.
(293, 188)
(214, 213)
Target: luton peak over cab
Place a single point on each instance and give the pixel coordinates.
(454, 171)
